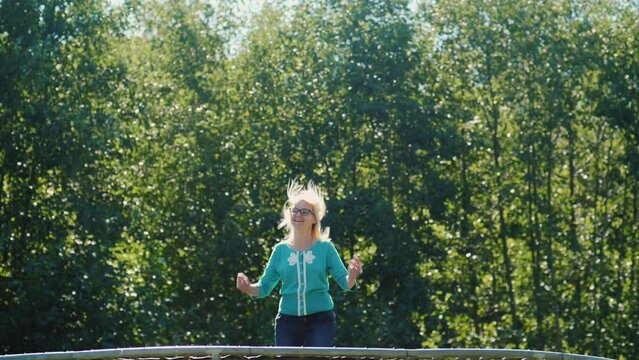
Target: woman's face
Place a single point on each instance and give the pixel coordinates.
(302, 215)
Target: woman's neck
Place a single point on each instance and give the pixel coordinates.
(301, 241)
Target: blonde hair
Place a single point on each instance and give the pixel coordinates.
(314, 196)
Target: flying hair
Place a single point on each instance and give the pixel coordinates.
(314, 196)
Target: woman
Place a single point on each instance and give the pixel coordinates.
(302, 262)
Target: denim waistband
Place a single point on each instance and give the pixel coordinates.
(314, 316)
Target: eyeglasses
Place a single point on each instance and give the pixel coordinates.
(303, 212)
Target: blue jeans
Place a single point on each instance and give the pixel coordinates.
(315, 330)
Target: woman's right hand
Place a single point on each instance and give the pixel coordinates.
(243, 283)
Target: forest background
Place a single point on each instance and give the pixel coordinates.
(481, 157)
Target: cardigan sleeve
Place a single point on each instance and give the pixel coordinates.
(271, 276)
(336, 267)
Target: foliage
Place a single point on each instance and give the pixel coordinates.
(480, 156)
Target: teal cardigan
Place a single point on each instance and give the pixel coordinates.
(304, 277)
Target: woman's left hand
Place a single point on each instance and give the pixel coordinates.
(354, 270)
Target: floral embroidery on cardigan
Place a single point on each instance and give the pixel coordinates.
(292, 260)
(308, 258)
